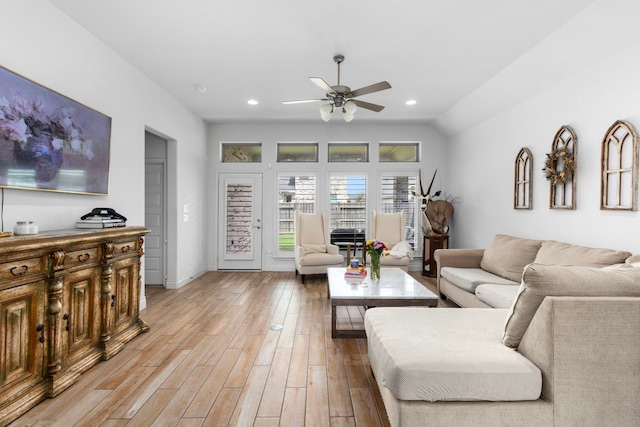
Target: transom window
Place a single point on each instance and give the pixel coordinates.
(399, 151)
(349, 152)
(297, 152)
(241, 152)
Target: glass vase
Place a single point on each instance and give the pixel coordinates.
(375, 267)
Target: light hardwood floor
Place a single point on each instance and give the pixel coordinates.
(212, 358)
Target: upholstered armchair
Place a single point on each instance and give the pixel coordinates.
(390, 228)
(313, 249)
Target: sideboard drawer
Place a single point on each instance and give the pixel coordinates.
(81, 257)
(125, 248)
(22, 268)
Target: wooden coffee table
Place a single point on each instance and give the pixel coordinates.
(394, 289)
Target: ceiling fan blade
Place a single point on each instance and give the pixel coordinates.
(369, 106)
(322, 84)
(302, 101)
(370, 89)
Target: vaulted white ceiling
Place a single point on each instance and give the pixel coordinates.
(433, 51)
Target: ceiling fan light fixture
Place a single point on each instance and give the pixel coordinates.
(325, 112)
(350, 107)
(340, 96)
(347, 116)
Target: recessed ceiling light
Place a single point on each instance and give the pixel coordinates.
(252, 102)
(200, 89)
(411, 102)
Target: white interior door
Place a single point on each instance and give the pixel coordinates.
(154, 220)
(240, 225)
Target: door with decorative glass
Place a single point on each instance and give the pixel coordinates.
(240, 225)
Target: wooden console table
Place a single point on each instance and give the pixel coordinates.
(68, 299)
(432, 242)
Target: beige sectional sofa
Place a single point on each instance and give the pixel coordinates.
(491, 277)
(566, 353)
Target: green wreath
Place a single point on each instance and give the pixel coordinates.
(551, 172)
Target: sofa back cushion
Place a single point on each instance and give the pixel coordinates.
(539, 281)
(507, 256)
(558, 253)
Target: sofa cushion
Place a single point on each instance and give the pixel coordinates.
(539, 281)
(559, 253)
(469, 278)
(389, 227)
(633, 261)
(314, 249)
(389, 261)
(507, 256)
(311, 229)
(447, 354)
(321, 259)
(497, 296)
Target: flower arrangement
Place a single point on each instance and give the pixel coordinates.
(568, 166)
(23, 118)
(376, 248)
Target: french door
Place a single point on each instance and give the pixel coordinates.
(240, 225)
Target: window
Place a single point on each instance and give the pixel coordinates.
(297, 152)
(241, 152)
(295, 192)
(399, 151)
(396, 196)
(348, 205)
(348, 152)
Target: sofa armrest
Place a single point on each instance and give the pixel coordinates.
(464, 258)
(469, 258)
(588, 351)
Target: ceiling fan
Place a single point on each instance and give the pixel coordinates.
(341, 97)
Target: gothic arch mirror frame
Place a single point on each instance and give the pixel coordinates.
(619, 168)
(522, 191)
(562, 195)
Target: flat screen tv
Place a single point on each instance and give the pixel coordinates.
(50, 142)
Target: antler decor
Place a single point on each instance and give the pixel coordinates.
(425, 197)
(435, 214)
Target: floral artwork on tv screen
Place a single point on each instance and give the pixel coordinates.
(50, 142)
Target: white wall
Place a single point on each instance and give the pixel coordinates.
(585, 76)
(269, 134)
(45, 45)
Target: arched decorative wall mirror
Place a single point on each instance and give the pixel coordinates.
(522, 180)
(619, 186)
(560, 169)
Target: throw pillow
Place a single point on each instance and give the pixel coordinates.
(559, 253)
(539, 281)
(314, 249)
(507, 256)
(401, 249)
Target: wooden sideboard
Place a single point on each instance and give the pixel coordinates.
(68, 299)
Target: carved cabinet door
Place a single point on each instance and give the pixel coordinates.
(81, 315)
(125, 294)
(22, 334)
